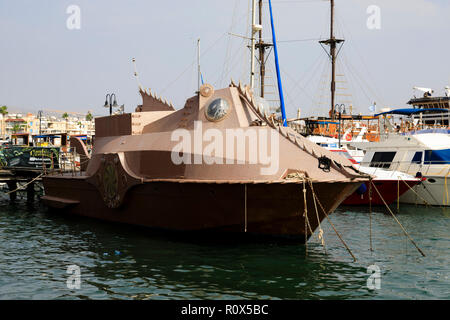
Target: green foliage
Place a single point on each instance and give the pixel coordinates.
(89, 116)
(16, 128)
(4, 110)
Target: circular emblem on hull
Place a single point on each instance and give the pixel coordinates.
(112, 180)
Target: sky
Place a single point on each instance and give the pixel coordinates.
(45, 65)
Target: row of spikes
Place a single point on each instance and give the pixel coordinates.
(148, 92)
(245, 92)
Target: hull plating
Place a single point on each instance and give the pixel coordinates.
(271, 210)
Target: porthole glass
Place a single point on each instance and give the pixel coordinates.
(217, 110)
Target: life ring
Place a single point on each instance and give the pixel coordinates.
(348, 137)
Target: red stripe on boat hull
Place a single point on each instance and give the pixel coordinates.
(387, 188)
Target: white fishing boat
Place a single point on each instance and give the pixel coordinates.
(344, 148)
(389, 184)
(424, 154)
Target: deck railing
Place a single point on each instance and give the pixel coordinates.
(441, 167)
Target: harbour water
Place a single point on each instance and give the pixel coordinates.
(119, 262)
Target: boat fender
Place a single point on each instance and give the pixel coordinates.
(362, 189)
(419, 176)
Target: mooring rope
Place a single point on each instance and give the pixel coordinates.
(26, 184)
(370, 213)
(305, 214)
(331, 223)
(401, 226)
(417, 195)
(446, 199)
(245, 212)
(431, 195)
(320, 235)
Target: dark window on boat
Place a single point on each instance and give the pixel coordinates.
(417, 158)
(437, 156)
(382, 159)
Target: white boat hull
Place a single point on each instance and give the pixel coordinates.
(434, 190)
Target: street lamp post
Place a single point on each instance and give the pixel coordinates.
(110, 103)
(40, 117)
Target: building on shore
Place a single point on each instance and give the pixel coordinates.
(32, 124)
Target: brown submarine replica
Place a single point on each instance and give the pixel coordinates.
(220, 164)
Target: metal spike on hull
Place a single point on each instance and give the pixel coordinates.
(241, 88)
(247, 95)
(158, 99)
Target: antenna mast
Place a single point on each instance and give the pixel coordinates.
(332, 42)
(199, 75)
(136, 75)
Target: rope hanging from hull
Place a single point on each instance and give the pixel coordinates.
(370, 213)
(395, 218)
(331, 223)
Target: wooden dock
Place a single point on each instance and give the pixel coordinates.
(21, 179)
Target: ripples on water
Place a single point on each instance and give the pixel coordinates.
(121, 262)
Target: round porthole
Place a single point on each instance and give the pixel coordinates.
(217, 110)
(431, 180)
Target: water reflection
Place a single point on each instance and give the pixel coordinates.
(121, 262)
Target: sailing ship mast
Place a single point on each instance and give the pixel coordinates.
(262, 47)
(255, 29)
(332, 42)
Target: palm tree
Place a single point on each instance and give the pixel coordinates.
(66, 117)
(16, 128)
(89, 116)
(3, 112)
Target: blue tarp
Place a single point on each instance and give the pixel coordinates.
(411, 111)
(45, 136)
(436, 130)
